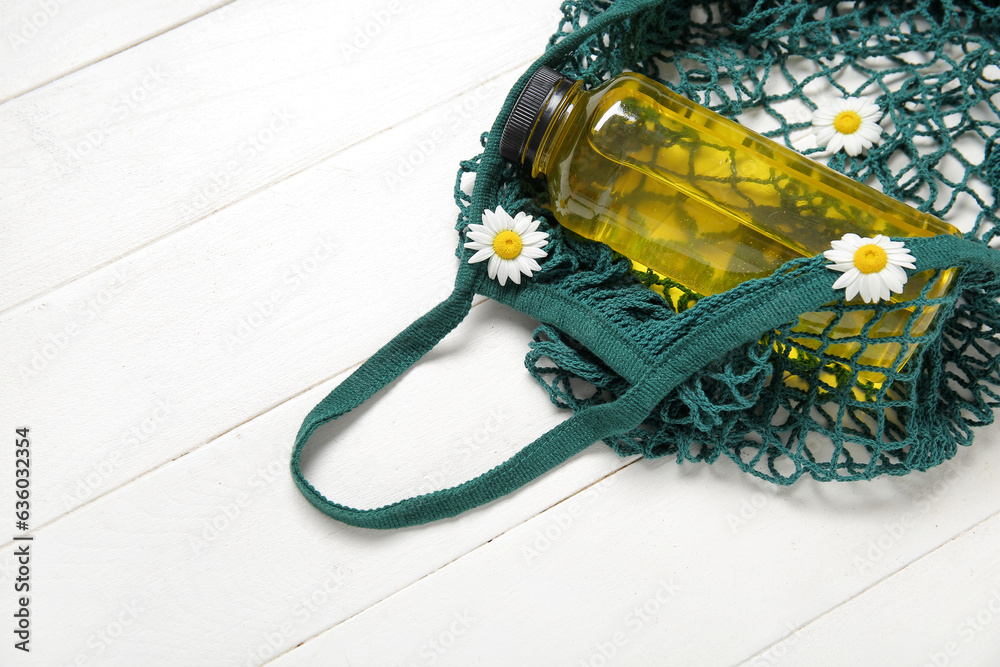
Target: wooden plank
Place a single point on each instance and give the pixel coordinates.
(941, 610)
(48, 39)
(143, 360)
(217, 559)
(677, 565)
(141, 145)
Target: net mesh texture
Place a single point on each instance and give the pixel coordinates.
(797, 402)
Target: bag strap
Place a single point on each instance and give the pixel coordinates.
(721, 328)
(418, 338)
(724, 325)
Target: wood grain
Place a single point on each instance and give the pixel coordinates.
(208, 220)
(181, 126)
(49, 39)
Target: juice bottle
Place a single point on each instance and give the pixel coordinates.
(708, 203)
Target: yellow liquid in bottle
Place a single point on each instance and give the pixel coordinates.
(709, 204)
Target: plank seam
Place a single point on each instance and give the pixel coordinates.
(253, 193)
(203, 444)
(457, 558)
(114, 53)
(884, 579)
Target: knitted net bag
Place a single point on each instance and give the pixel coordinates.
(727, 375)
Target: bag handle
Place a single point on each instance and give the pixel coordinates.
(721, 325)
(719, 330)
(717, 325)
(418, 338)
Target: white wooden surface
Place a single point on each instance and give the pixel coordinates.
(210, 215)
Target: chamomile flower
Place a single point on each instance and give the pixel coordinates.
(872, 267)
(510, 244)
(850, 124)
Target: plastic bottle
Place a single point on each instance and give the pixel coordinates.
(704, 201)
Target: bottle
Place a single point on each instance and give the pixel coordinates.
(707, 204)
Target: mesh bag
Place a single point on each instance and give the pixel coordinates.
(729, 374)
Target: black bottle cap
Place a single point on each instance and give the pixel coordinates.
(536, 105)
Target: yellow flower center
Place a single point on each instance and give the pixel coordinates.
(870, 258)
(847, 122)
(507, 244)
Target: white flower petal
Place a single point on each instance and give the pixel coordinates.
(869, 132)
(513, 271)
(839, 256)
(886, 290)
(490, 222)
(503, 219)
(875, 286)
(865, 289)
(824, 135)
(891, 279)
(885, 293)
(521, 224)
(536, 239)
(502, 268)
(870, 109)
(521, 266)
(836, 143)
(482, 255)
(852, 144)
(897, 271)
(842, 266)
(481, 237)
(849, 278)
(906, 262)
(849, 241)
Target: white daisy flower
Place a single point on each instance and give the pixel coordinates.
(510, 244)
(871, 267)
(851, 123)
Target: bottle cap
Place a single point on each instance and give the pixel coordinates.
(534, 109)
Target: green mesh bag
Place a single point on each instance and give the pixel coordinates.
(716, 378)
